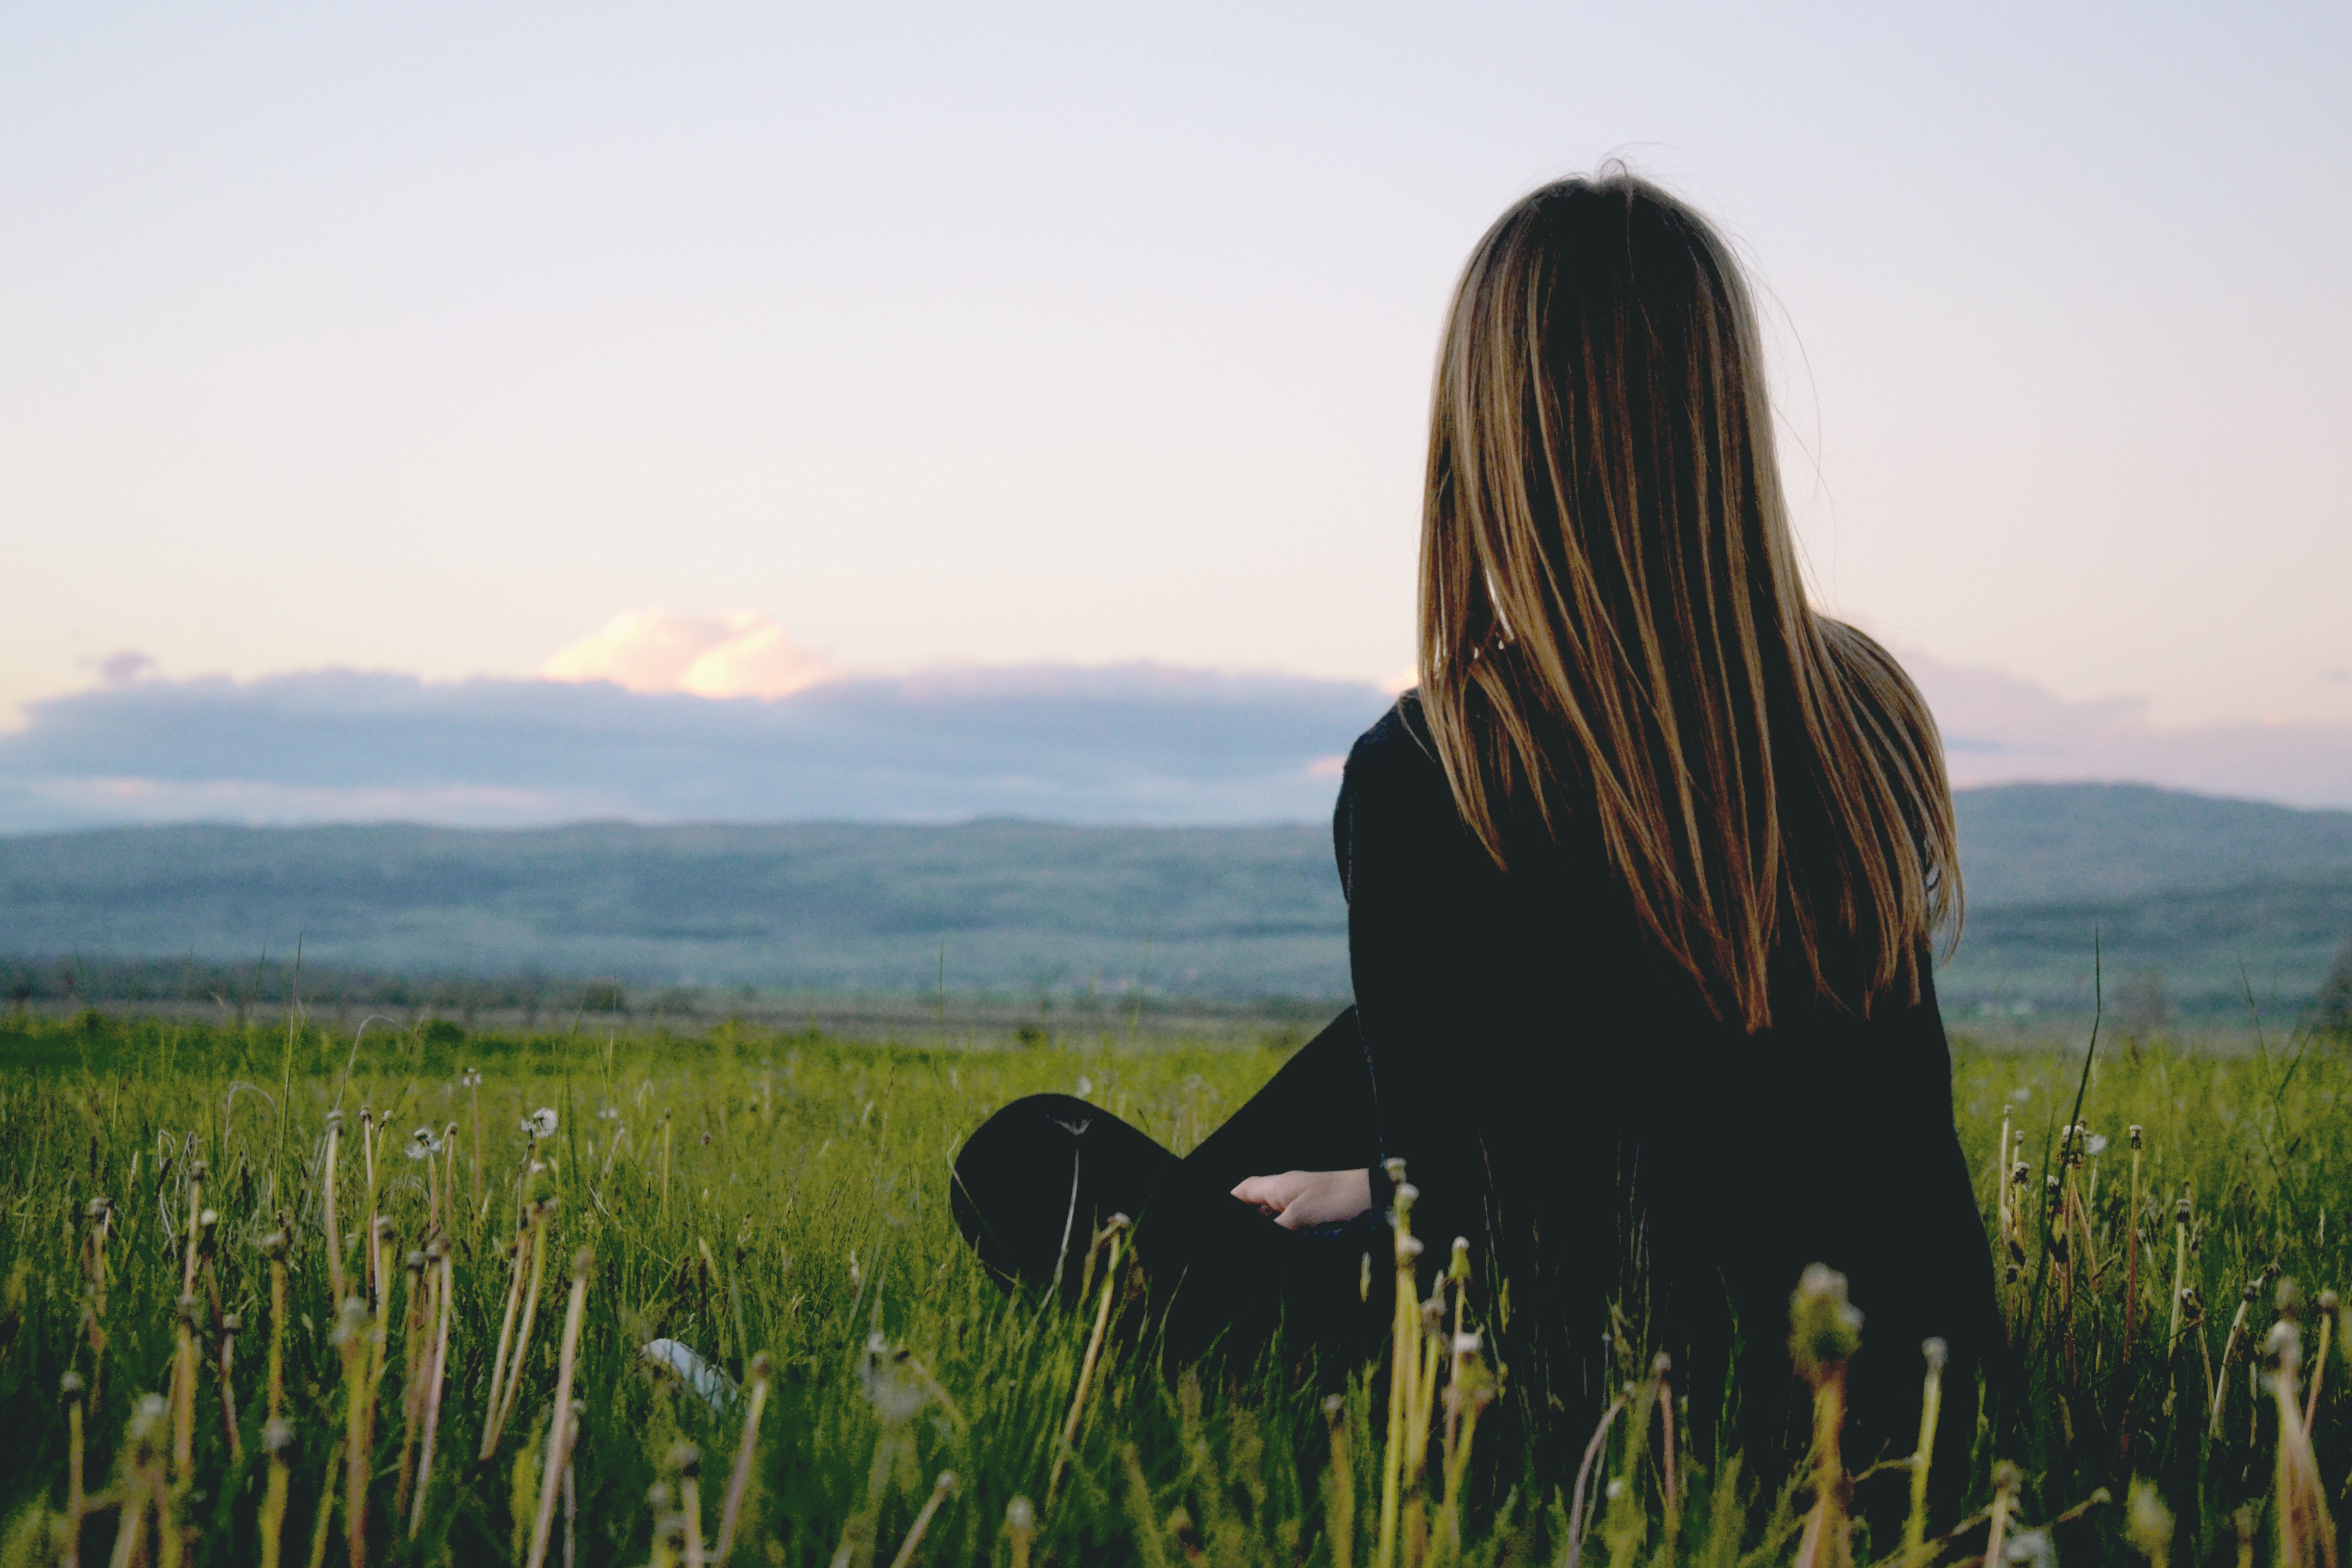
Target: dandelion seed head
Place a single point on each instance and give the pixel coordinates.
(146, 1415)
(1825, 1327)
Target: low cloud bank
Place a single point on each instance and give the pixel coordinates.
(1999, 729)
(1136, 743)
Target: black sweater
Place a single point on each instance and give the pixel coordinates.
(1562, 1096)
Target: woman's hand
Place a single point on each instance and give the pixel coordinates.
(1298, 1199)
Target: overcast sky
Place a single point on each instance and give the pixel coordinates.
(429, 339)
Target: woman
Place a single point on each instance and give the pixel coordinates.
(1641, 881)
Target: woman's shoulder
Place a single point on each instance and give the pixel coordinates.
(1397, 750)
(1393, 778)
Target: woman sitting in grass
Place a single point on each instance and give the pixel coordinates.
(1641, 881)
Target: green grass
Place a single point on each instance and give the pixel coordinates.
(786, 1196)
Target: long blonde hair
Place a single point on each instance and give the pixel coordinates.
(1613, 619)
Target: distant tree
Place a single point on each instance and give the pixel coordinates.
(604, 996)
(2143, 1005)
(2335, 996)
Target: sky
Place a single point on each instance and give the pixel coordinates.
(441, 345)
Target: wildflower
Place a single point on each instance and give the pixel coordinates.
(541, 1123)
(2095, 1145)
(1086, 1087)
(422, 1144)
(471, 1077)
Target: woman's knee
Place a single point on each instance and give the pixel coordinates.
(1034, 1181)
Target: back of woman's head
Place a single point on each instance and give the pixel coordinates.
(1613, 620)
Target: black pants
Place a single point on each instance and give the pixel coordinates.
(1037, 1179)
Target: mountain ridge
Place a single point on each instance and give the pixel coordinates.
(2213, 896)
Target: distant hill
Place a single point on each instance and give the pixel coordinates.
(1007, 906)
(2199, 903)
(2196, 899)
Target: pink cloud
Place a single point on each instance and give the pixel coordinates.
(743, 654)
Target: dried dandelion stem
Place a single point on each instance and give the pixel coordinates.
(1931, 1405)
(277, 1437)
(558, 1431)
(415, 1348)
(2230, 1349)
(940, 1490)
(2181, 1215)
(738, 1480)
(2329, 1305)
(529, 1315)
(2005, 1478)
(1405, 1360)
(444, 1291)
(1824, 1331)
(359, 1437)
(1584, 1473)
(183, 1349)
(506, 1342)
(334, 1241)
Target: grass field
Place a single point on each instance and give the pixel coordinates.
(190, 1373)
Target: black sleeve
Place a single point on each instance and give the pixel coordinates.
(1432, 947)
